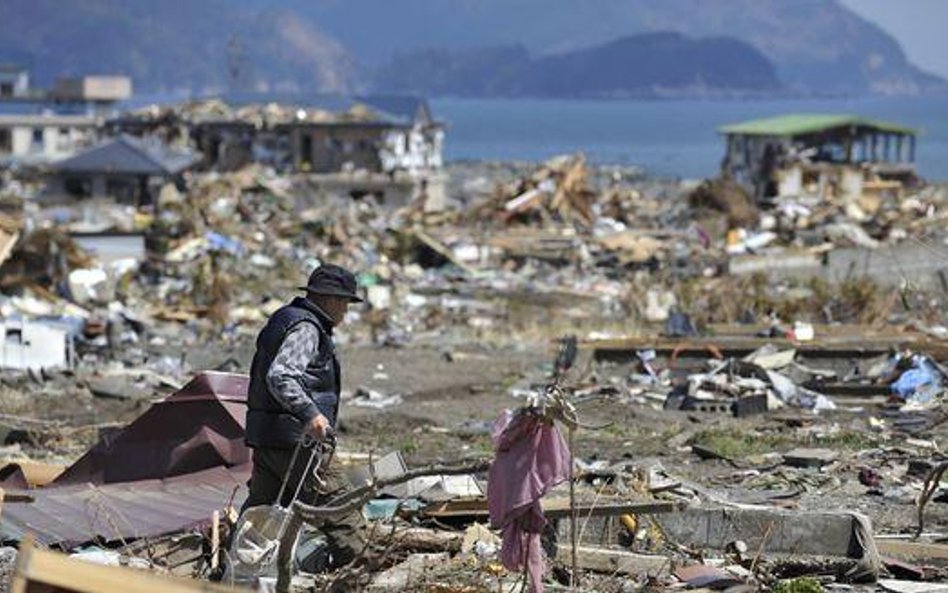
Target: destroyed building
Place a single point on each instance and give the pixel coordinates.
(36, 132)
(39, 126)
(125, 169)
(385, 146)
(103, 90)
(317, 134)
(825, 155)
(14, 80)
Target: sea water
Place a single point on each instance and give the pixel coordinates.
(674, 138)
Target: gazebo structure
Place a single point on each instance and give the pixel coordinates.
(785, 154)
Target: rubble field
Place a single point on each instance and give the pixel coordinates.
(751, 397)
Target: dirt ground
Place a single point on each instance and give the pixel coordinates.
(451, 395)
(449, 406)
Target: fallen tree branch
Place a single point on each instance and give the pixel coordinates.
(349, 502)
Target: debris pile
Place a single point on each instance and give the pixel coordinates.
(691, 310)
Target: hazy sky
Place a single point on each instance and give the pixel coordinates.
(921, 26)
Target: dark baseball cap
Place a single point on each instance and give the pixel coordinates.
(333, 280)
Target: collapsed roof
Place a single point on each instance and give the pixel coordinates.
(165, 472)
(199, 427)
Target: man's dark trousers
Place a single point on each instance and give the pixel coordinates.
(344, 534)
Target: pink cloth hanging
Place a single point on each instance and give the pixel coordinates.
(530, 458)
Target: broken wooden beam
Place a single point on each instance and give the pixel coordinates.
(40, 570)
(914, 550)
(442, 250)
(609, 561)
(733, 340)
(425, 539)
(624, 350)
(554, 508)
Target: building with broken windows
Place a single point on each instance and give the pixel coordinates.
(297, 132)
(14, 81)
(828, 156)
(388, 147)
(38, 126)
(34, 132)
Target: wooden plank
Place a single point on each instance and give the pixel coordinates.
(423, 538)
(35, 473)
(215, 539)
(442, 250)
(68, 574)
(7, 242)
(9, 497)
(738, 340)
(18, 581)
(610, 561)
(555, 508)
(558, 508)
(912, 550)
(40, 474)
(737, 347)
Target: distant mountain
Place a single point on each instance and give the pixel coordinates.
(174, 44)
(816, 46)
(648, 65)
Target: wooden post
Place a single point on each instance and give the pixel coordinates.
(42, 570)
(573, 577)
(215, 539)
(21, 569)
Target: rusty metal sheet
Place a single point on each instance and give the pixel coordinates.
(68, 516)
(199, 427)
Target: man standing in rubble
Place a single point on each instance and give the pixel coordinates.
(294, 391)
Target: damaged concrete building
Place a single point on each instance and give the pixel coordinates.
(35, 132)
(322, 133)
(14, 81)
(386, 146)
(39, 126)
(829, 156)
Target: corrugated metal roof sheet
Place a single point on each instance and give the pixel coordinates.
(798, 124)
(68, 516)
(198, 427)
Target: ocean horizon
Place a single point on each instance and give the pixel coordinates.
(666, 138)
